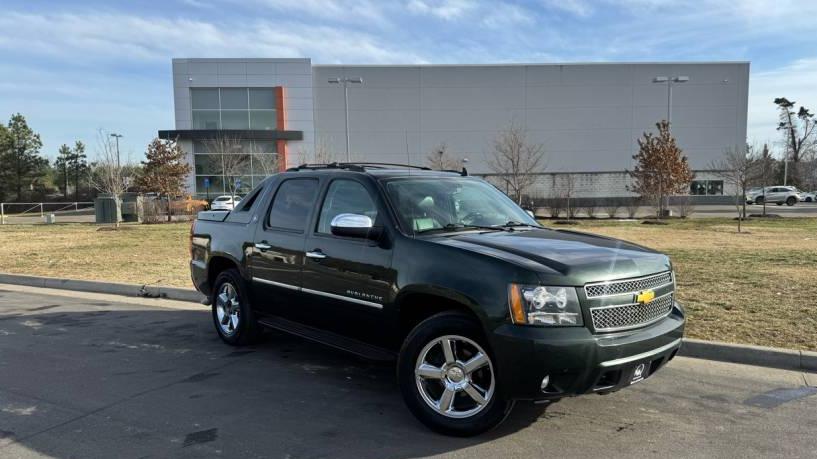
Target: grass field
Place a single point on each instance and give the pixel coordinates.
(757, 287)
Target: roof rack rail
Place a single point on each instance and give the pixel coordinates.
(354, 166)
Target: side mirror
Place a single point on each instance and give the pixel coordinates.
(354, 225)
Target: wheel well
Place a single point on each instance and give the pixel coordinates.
(418, 307)
(216, 266)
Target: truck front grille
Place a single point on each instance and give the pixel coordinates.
(626, 316)
(620, 287)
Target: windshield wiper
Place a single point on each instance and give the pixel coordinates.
(461, 226)
(514, 224)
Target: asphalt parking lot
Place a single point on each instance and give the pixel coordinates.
(100, 376)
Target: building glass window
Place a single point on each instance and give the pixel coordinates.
(233, 108)
(706, 187)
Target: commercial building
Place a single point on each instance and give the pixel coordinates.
(269, 114)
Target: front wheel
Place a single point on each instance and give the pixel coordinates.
(759, 200)
(448, 377)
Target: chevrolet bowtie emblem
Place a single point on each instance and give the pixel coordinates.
(644, 297)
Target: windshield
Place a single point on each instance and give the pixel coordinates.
(425, 204)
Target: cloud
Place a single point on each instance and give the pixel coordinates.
(794, 81)
(575, 7)
(116, 37)
(355, 11)
(442, 9)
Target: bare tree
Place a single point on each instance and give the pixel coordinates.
(516, 161)
(108, 175)
(235, 158)
(737, 168)
(764, 171)
(567, 191)
(439, 159)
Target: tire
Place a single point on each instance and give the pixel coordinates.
(791, 200)
(232, 314)
(759, 200)
(809, 199)
(423, 351)
(779, 203)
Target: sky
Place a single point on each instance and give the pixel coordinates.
(75, 67)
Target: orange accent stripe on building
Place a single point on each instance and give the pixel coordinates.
(281, 125)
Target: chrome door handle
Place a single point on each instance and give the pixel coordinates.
(317, 254)
(262, 247)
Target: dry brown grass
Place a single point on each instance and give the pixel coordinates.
(759, 287)
(140, 254)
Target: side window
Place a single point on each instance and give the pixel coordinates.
(292, 203)
(345, 197)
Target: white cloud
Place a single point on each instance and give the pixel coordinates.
(443, 9)
(505, 15)
(357, 11)
(795, 82)
(576, 7)
(119, 37)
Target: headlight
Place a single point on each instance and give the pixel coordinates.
(540, 305)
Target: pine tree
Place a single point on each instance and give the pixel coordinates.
(79, 166)
(165, 170)
(61, 168)
(22, 165)
(661, 168)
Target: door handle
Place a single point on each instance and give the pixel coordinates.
(316, 254)
(262, 246)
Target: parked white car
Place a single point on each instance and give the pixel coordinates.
(808, 196)
(774, 194)
(225, 202)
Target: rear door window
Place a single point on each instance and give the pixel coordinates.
(292, 204)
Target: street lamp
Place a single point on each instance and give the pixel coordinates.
(345, 82)
(117, 136)
(669, 82)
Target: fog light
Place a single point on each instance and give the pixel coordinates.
(545, 382)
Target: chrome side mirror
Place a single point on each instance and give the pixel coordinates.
(354, 225)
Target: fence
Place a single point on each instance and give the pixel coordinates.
(40, 212)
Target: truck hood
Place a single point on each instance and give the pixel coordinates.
(563, 257)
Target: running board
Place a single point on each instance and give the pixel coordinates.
(328, 338)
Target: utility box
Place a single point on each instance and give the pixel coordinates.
(105, 209)
(50, 219)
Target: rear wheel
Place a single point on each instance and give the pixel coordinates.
(448, 377)
(232, 314)
(791, 200)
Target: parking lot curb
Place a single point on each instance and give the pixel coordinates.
(786, 359)
(111, 288)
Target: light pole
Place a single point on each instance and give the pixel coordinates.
(117, 136)
(669, 82)
(345, 82)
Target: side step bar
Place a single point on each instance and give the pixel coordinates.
(328, 338)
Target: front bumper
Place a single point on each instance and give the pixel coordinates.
(578, 361)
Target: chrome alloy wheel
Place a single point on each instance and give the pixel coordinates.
(228, 309)
(455, 376)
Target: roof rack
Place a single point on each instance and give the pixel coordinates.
(357, 167)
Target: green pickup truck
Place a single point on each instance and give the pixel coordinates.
(479, 305)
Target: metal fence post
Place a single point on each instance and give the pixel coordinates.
(41, 210)
(2, 214)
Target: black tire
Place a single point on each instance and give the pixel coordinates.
(759, 200)
(449, 324)
(779, 203)
(809, 199)
(248, 330)
(791, 200)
